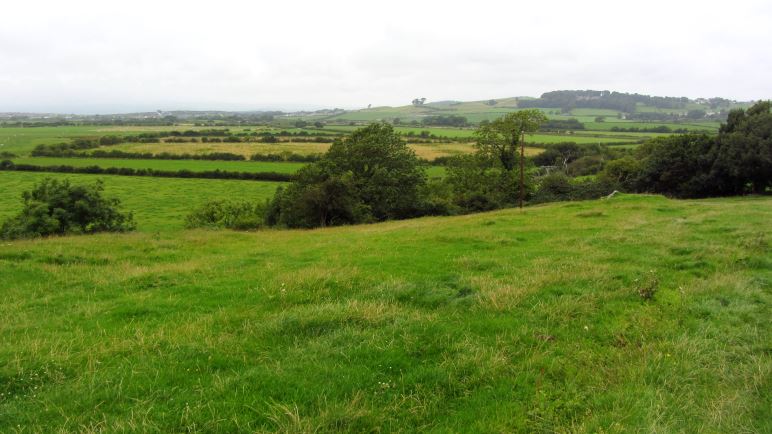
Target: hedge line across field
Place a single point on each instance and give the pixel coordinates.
(126, 171)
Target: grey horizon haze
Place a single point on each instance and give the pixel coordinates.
(109, 57)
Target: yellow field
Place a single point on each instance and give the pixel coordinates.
(428, 151)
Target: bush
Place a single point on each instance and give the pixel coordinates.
(371, 175)
(554, 187)
(227, 214)
(622, 173)
(480, 183)
(557, 187)
(587, 165)
(56, 207)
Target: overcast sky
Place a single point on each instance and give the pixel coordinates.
(109, 56)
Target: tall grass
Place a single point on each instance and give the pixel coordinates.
(507, 321)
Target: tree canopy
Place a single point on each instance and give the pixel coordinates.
(56, 207)
(371, 175)
(500, 138)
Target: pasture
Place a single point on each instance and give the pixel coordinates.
(497, 322)
(428, 151)
(158, 204)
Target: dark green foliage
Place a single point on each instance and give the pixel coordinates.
(553, 188)
(626, 102)
(369, 176)
(489, 179)
(562, 125)
(559, 154)
(658, 129)
(286, 156)
(446, 121)
(227, 214)
(678, 165)
(737, 161)
(127, 171)
(743, 161)
(501, 138)
(318, 197)
(558, 186)
(586, 165)
(622, 172)
(114, 153)
(479, 183)
(56, 207)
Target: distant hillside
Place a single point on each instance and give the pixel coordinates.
(560, 104)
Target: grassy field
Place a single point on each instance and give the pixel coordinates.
(578, 137)
(158, 204)
(507, 321)
(21, 140)
(476, 111)
(245, 149)
(427, 151)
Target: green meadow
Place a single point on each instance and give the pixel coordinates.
(158, 204)
(508, 321)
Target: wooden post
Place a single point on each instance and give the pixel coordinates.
(522, 168)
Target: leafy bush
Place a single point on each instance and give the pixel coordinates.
(557, 186)
(227, 214)
(622, 172)
(737, 161)
(587, 165)
(56, 207)
(553, 188)
(372, 175)
(679, 166)
(479, 183)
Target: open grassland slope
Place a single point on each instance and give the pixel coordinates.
(507, 321)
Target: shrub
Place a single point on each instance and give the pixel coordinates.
(587, 165)
(557, 186)
(553, 188)
(56, 207)
(371, 175)
(622, 172)
(227, 214)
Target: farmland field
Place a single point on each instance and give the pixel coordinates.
(427, 151)
(157, 203)
(245, 149)
(495, 322)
